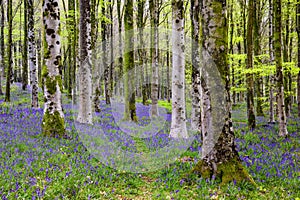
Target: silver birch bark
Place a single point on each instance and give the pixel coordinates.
(32, 56)
(53, 120)
(178, 123)
(85, 77)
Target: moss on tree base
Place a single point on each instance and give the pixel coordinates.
(53, 125)
(228, 171)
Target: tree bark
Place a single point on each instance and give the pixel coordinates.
(129, 84)
(9, 50)
(85, 77)
(2, 62)
(279, 69)
(53, 119)
(154, 55)
(25, 48)
(222, 160)
(32, 56)
(271, 51)
(249, 76)
(178, 123)
(298, 49)
(196, 75)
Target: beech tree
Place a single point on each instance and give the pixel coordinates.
(298, 32)
(222, 160)
(53, 119)
(130, 108)
(196, 86)
(178, 123)
(279, 69)
(9, 50)
(32, 56)
(85, 77)
(249, 76)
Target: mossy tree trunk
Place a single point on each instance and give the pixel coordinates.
(279, 69)
(223, 160)
(129, 79)
(2, 62)
(196, 85)
(271, 51)
(53, 119)
(120, 49)
(85, 77)
(257, 38)
(9, 50)
(287, 70)
(32, 56)
(178, 122)
(249, 76)
(298, 49)
(25, 48)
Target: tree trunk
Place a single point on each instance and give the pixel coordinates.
(178, 123)
(9, 50)
(141, 51)
(154, 55)
(249, 76)
(279, 70)
(85, 77)
(196, 87)
(71, 24)
(129, 84)
(105, 56)
(257, 60)
(287, 70)
(25, 48)
(2, 55)
(223, 160)
(298, 49)
(53, 119)
(32, 56)
(271, 50)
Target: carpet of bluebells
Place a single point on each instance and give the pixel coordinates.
(37, 167)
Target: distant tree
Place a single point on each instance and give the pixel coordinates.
(298, 47)
(32, 56)
(25, 48)
(271, 52)
(141, 51)
(279, 69)
(85, 77)
(249, 76)
(129, 83)
(222, 160)
(2, 62)
(53, 119)
(257, 51)
(9, 50)
(178, 123)
(153, 7)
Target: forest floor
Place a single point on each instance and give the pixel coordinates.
(37, 167)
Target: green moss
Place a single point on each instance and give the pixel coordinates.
(53, 124)
(226, 172)
(51, 83)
